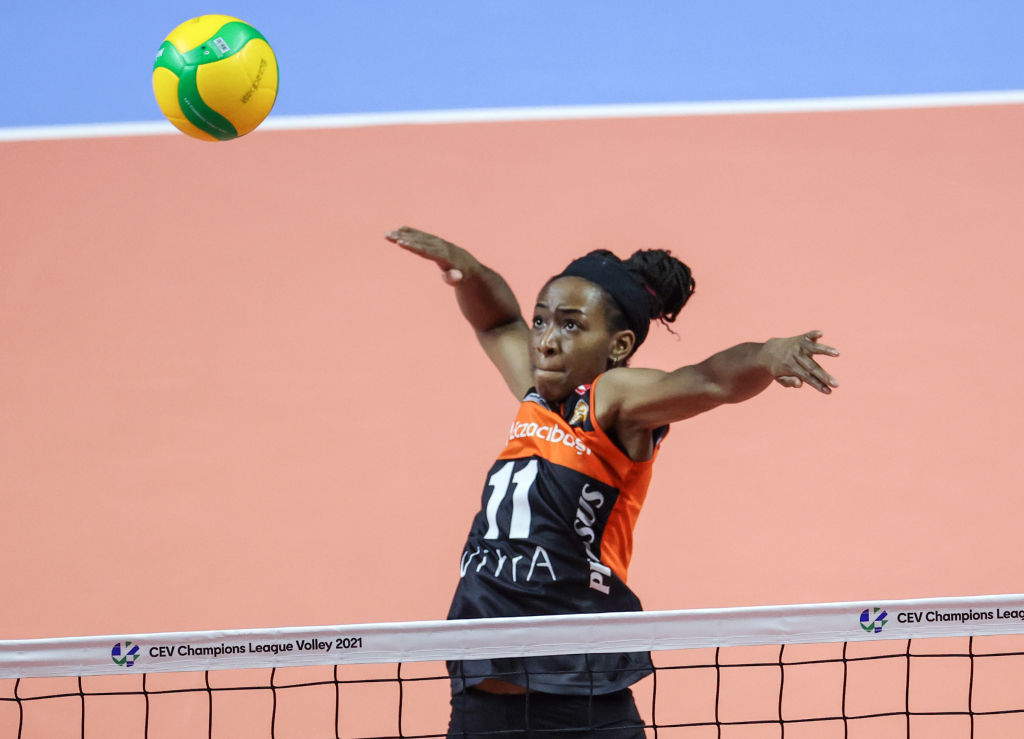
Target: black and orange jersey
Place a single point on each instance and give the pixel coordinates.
(554, 535)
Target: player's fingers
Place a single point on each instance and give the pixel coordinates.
(408, 245)
(409, 231)
(816, 348)
(810, 341)
(789, 381)
(451, 276)
(400, 238)
(814, 375)
(407, 235)
(401, 232)
(422, 244)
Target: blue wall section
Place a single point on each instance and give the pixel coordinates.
(73, 62)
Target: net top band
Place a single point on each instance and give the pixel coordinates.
(513, 637)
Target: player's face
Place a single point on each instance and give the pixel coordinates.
(571, 342)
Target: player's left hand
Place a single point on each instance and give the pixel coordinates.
(791, 361)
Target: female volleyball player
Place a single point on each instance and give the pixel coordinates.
(554, 533)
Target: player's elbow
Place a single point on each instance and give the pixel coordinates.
(499, 328)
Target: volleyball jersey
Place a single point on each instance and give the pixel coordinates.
(554, 535)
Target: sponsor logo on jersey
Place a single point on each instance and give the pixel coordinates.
(550, 434)
(495, 567)
(586, 516)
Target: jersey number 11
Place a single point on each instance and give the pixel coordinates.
(521, 483)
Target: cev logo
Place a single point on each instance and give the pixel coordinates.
(125, 657)
(873, 619)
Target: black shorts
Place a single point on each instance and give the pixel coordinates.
(479, 715)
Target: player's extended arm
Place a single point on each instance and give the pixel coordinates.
(646, 398)
(486, 301)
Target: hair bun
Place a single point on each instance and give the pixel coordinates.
(668, 280)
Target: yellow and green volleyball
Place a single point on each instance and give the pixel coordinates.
(215, 77)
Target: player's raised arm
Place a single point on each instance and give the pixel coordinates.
(647, 399)
(484, 298)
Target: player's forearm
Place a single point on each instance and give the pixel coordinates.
(738, 373)
(485, 299)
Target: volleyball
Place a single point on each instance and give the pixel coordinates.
(215, 77)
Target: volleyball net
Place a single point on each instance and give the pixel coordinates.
(932, 668)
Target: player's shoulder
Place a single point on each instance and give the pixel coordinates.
(619, 388)
(620, 381)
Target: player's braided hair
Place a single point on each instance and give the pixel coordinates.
(668, 282)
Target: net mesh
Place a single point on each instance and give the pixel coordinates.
(929, 669)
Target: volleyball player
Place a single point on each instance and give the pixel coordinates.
(554, 532)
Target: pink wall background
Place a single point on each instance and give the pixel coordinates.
(227, 402)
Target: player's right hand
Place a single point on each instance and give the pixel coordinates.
(454, 261)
